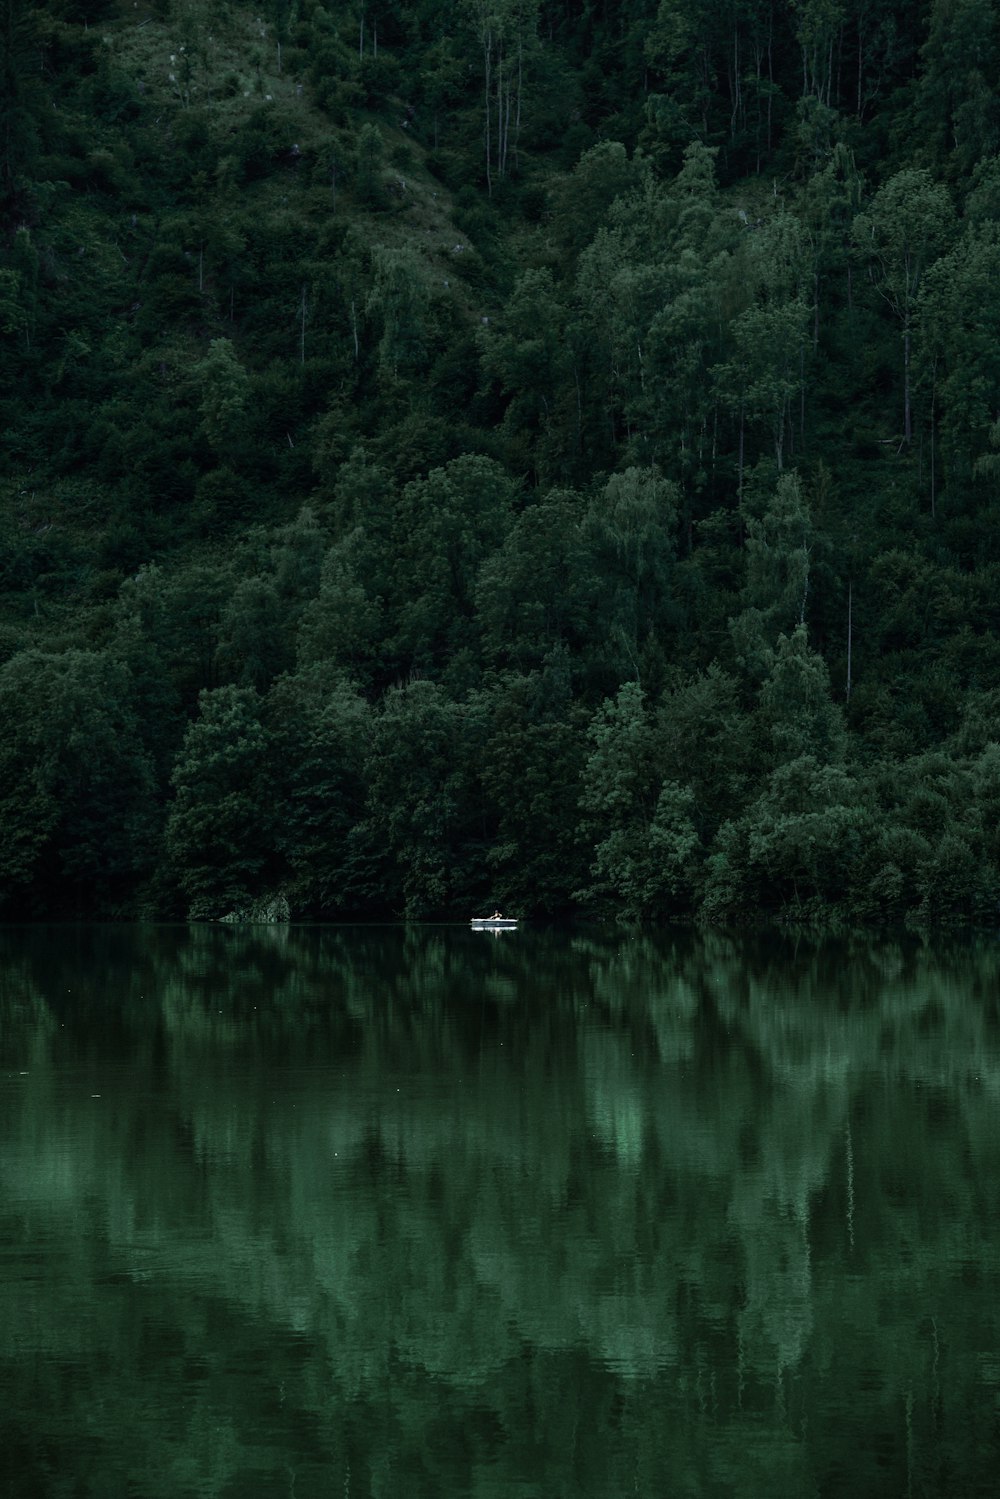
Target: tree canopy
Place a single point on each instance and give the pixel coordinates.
(528, 452)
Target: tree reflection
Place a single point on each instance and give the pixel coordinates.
(590, 1213)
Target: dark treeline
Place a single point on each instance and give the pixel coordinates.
(523, 452)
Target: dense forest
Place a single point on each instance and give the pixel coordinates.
(542, 452)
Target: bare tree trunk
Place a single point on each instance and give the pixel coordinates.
(849, 1156)
(508, 110)
(757, 57)
(488, 64)
(734, 115)
(769, 69)
(503, 113)
(499, 149)
(933, 424)
(739, 481)
(850, 633)
(517, 108)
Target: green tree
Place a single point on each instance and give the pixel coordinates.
(369, 168)
(534, 592)
(225, 389)
(765, 373)
(779, 548)
(960, 326)
(18, 103)
(451, 521)
(532, 757)
(795, 850)
(322, 731)
(795, 711)
(422, 806)
(629, 531)
(957, 111)
(526, 354)
(507, 30)
(77, 807)
(583, 200)
(399, 301)
(341, 625)
(903, 231)
(253, 636)
(220, 833)
(706, 740)
(640, 827)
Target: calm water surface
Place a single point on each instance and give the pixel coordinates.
(422, 1212)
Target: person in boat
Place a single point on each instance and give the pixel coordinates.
(496, 916)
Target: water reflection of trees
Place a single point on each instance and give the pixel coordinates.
(655, 1201)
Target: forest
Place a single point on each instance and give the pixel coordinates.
(542, 453)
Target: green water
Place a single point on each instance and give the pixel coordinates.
(422, 1212)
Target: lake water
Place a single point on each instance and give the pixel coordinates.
(412, 1212)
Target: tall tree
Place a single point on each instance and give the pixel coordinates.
(507, 29)
(904, 229)
(220, 833)
(19, 47)
(77, 803)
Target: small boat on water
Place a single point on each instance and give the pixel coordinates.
(494, 923)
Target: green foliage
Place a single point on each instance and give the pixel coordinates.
(399, 301)
(531, 762)
(642, 829)
(322, 730)
(795, 711)
(389, 394)
(220, 833)
(779, 547)
(225, 388)
(369, 167)
(77, 785)
(340, 626)
(794, 848)
(450, 522)
(533, 593)
(421, 802)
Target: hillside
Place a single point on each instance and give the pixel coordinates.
(543, 454)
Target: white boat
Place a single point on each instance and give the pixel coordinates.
(494, 923)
